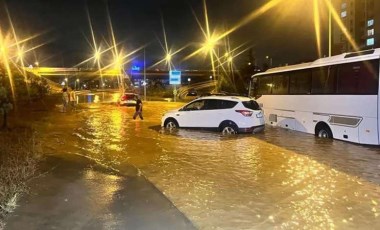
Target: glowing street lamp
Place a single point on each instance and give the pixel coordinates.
(97, 55)
(168, 57)
(77, 81)
(36, 63)
(20, 55)
(209, 45)
(270, 60)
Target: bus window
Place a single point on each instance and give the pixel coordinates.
(265, 85)
(280, 84)
(324, 80)
(300, 82)
(359, 78)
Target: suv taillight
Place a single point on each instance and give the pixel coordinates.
(124, 97)
(245, 113)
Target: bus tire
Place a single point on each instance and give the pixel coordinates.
(322, 130)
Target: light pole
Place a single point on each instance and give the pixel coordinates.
(76, 84)
(330, 28)
(189, 80)
(144, 78)
(270, 61)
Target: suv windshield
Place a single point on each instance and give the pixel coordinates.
(251, 105)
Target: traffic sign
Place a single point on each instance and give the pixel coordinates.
(175, 77)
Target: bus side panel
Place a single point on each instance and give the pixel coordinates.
(368, 131)
(304, 122)
(285, 119)
(345, 133)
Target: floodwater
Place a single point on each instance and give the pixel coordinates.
(273, 180)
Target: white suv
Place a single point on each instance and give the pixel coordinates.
(227, 114)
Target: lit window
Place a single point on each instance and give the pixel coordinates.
(370, 41)
(343, 14)
(371, 32)
(370, 22)
(344, 5)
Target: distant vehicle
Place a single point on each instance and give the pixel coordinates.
(128, 99)
(229, 115)
(333, 97)
(192, 93)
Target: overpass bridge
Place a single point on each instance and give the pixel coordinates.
(91, 77)
(52, 72)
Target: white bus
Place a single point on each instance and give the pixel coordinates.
(335, 97)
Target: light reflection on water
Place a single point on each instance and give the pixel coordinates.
(277, 179)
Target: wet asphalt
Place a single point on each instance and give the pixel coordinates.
(77, 193)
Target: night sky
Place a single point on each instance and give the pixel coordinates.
(285, 33)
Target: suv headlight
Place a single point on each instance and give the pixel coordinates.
(259, 115)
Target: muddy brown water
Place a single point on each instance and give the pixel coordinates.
(276, 179)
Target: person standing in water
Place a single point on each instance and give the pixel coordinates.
(139, 107)
(65, 99)
(73, 98)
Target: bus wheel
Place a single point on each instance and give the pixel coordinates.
(323, 131)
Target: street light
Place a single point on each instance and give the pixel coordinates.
(189, 80)
(36, 63)
(97, 55)
(168, 58)
(76, 84)
(270, 60)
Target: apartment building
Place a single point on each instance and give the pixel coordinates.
(361, 19)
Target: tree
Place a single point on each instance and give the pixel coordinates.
(5, 105)
(248, 68)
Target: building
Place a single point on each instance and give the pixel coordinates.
(362, 20)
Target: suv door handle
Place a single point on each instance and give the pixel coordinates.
(177, 114)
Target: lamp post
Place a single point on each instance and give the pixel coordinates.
(189, 80)
(76, 88)
(144, 78)
(168, 59)
(330, 29)
(270, 61)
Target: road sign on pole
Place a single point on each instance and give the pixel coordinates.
(174, 77)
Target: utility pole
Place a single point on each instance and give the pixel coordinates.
(330, 29)
(144, 78)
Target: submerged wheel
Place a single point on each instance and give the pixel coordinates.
(323, 131)
(171, 124)
(229, 128)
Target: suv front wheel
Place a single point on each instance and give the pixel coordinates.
(171, 124)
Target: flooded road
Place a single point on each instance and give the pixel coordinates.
(276, 179)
